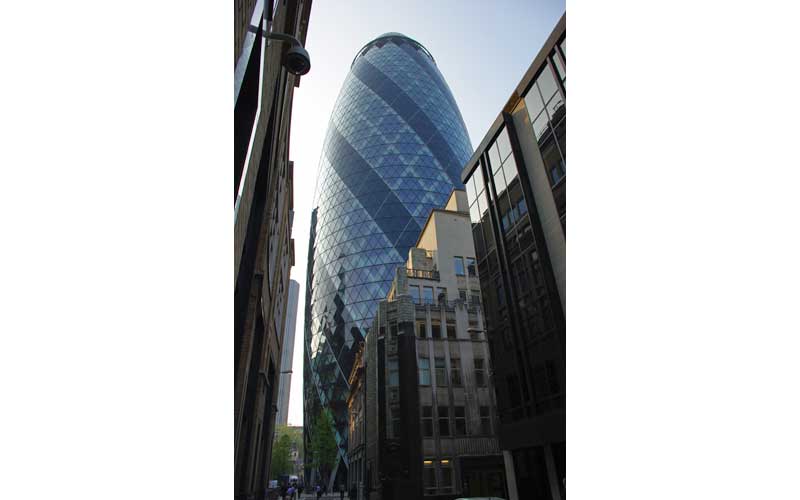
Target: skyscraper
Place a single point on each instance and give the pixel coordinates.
(287, 354)
(395, 148)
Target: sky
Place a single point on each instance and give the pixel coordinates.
(482, 49)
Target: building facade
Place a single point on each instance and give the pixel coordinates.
(263, 248)
(287, 354)
(516, 186)
(394, 150)
(423, 382)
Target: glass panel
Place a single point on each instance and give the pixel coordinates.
(471, 190)
(436, 329)
(533, 101)
(561, 137)
(494, 157)
(547, 83)
(477, 174)
(414, 291)
(472, 270)
(552, 161)
(441, 377)
(459, 266)
(563, 46)
(510, 170)
(499, 182)
(483, 204)
(503, 144)
(424, 371)
(394, 374)
(474, 215)
(428, 294)
(555, 107)
(562, 73)
(540, 125)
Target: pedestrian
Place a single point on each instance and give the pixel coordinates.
(319, 491)
(341, 491)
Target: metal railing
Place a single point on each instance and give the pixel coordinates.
(422, 274)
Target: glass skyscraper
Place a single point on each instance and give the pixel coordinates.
(394, 150)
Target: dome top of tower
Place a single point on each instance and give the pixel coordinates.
(395, 37)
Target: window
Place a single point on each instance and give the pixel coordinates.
(480, 373)
(441, 295)
(462, 294)
(396, 429)
(436, 329)
(424, 371)
(562, 73)
(441, 372)
(474, 329)
(427, 421)
(486, 420)
(472, 269)
(460, 421)
(447, 477)
(428, 294)
(429, 477)
(421, 330)
(451, 329)
(503, 145)
(455, 371)
(414, 291)
(394, 373)
(459, 266)
(547, 83)
(444, 421)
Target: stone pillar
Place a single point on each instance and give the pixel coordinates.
(511, 477)
(552, 474)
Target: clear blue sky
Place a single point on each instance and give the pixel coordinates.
(481, 48)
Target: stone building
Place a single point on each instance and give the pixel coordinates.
(424, 376)
(263, 248)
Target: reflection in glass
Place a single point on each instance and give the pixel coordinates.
(547, 83)
(555, 104)
(499, 182)
(562, 73)
(470, 190)
(494, 157)
(477, 174)
(503, 144)
(510, 170)
(533, 101)
(540, 125)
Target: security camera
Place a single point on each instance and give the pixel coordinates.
(296, 60)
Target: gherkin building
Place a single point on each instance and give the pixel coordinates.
(395, 147)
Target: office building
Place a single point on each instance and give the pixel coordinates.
(426, 373)
(263, 248)
(394, 150)
(287, 354)
(516, 185)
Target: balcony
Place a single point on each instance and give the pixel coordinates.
(423, 274)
